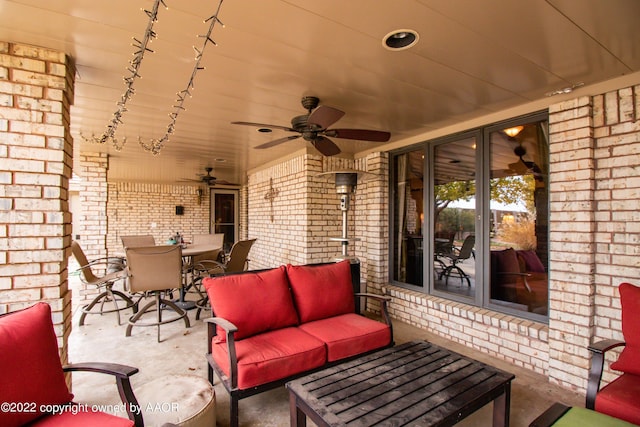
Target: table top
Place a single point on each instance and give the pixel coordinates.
(192, 250)
(416, 383)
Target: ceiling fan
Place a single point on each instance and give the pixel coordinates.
(208, 179)
(313, 126)
(524, 167)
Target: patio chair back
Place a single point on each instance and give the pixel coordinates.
(83, 262)
(137, 241)
(238, 256)
(216, 240)
(154, 268)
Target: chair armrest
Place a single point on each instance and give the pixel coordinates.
(230, 330)
(206, 266)
(384, 300)
(598, 350)
(550, 416)
(122, 373)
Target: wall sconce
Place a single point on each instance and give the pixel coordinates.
(200, 193)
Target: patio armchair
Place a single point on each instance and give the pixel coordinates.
(214, 240)
(619, 398)
(155, 270)
(33, 381)
(238, 261)
(105, 282)
(466, 251)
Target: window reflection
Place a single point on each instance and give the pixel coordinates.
(409, 218)
(454, 216)
(519, 218)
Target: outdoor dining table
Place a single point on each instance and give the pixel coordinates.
(188, 252)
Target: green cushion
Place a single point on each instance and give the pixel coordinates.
(581, 417)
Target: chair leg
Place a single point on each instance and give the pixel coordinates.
(108, 295)
(234, 417)
(447, 272)
(159, 304)
(202, 304)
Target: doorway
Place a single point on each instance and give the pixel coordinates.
(224, 216)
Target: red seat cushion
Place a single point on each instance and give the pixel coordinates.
(271, 356)
(82, 419)
(31, 368)
(629, 360)
(254, 302)
(620, 398)
(321, 291)
(349, 334)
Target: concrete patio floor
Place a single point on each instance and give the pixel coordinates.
(182, 352)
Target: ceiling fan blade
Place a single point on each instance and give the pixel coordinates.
(276, 142)
(519, 167)
(324, 116)
(360, 134)
(261, 125)
(221, 182)
(326, 146)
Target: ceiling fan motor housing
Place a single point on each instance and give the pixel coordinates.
(310, 102)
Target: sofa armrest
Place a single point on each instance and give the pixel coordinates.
(598, 350)
(230, 330)
(122, 373)
(524, 277)
(383, 300)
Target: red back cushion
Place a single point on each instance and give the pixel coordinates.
(531, 261)
(506, 261)
(629, 360)
(322, 291)
(254, 302)
(31, 368)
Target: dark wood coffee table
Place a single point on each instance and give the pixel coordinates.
(417, 383)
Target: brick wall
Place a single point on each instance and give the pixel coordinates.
(139, 208)
(294, 225)
(595, 227)
(36, 149)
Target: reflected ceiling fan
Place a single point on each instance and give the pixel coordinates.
(208, 179)
(524, 167)
(313, 126)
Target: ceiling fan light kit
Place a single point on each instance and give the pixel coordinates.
(514, 131)
(312, 127)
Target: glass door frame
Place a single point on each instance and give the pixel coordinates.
(236, 220)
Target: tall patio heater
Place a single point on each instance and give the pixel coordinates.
(346, 182)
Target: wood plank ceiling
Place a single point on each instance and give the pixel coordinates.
(472, 58)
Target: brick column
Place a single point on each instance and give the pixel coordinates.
(36, 150)
(573, 248)
(93, 224)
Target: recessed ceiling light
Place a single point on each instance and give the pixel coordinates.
(264, 130)
(400, 39)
